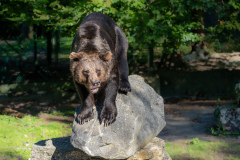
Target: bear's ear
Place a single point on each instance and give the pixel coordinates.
(107, 56)
(76, 56)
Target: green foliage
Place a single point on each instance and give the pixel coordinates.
(47, 13)
(195, 141)
(228, 26)
(18, 135)
(144, 22)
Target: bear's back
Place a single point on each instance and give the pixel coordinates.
(105, 23)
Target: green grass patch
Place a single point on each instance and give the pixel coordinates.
(18, 135)
(196, 149)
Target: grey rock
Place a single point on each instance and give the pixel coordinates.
(230, 61)
(237, 92)
(215, 56)
(155, 150)
(56, 149)
(234, 60)
(230, 119)
(140, 119)
(191, 57)
(61, 149)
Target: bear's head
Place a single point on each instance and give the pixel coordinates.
(90, 70)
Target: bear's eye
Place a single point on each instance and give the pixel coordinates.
(85, 72)
(98, 71)
(76, 59)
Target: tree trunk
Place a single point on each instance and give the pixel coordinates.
(35, 43)
(199, 48)
(56, 45)
(150, 51)
(49, 47)
(150, 56)
(30, 33)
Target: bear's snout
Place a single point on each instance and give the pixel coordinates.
(94, 86)
(96, 83)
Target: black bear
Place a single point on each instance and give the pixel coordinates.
(98, 62)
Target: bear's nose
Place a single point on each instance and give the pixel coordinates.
(97, 82)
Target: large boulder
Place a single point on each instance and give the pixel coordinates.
(61, 149)
(140, 119)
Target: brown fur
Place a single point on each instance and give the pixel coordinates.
(88, 69)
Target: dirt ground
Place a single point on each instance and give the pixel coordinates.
(192, 119)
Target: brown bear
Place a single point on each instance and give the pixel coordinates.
(98, 62)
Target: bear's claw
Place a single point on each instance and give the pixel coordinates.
(85, 116)
(108, 116)
(124, 86)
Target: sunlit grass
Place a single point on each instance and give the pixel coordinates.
(210, 150)
(18, 135)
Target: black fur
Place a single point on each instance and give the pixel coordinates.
(97, 35)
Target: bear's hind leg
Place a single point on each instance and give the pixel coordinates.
(121, 51)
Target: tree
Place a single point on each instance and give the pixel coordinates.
(53, 15)
(146, 23)
(228, 21)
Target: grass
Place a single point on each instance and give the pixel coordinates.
(18, 135)
(196, 149)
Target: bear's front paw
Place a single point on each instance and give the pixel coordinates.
(108, 115)
(124, 86)
(85, 115)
